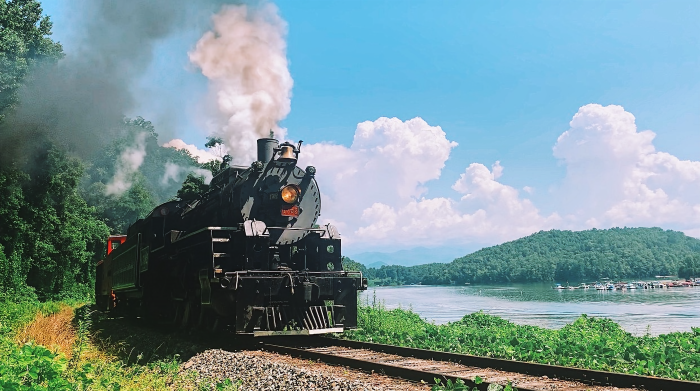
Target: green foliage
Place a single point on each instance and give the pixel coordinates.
(193, 188)
(588, 342)
(213, 142)
(150, 185)
(24, 42)
(215, 166)
(350, 265)
(29, 367)
(119, 212)
(460, 385)
(560, 255)
(64, 235)
(12, 229)
(690, 266)
(34, 367)
(49, 235)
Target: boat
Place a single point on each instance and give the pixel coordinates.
(657, 284)
(678, 284)
(600, 287)
(583, 285)
(631, 286)
(610, 286)
(558, 286)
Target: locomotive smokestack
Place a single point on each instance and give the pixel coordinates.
(266, 149)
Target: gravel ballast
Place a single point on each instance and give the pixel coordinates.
(256, 370)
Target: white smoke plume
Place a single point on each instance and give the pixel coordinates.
(244, 58)
(175, 172)
(128, 164)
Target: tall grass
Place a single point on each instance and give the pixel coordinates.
(588, 342)
(49, 346)
(53, 331)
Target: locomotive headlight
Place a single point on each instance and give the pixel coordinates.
(290, 193)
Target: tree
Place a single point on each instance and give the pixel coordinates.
(217, 143)
(150, 185)
(24, 43)
(50, 237)
(350, 265)
(12, 230)
(65, 237)
(119, 212)
(690, 266)
(193, 188)
(563, 256)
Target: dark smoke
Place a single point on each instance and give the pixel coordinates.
(80, 102)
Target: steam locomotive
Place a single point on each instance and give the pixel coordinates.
(248, 255)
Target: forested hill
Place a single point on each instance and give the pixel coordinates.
(561, 256)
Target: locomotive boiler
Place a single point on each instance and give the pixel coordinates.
(247, 255)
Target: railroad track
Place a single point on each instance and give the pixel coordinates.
(425, 366)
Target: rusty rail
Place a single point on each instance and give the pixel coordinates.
(369, 366)
(586, 376)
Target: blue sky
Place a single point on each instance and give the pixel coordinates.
(502, 79)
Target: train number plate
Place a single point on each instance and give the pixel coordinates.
(293, 211)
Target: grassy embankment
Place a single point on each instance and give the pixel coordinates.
(51, 346)
(589, 342)
(54, 346)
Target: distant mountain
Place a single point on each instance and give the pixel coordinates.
(376, 265)
(410, 257)
(617, 253)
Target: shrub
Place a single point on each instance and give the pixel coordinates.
(588, 342)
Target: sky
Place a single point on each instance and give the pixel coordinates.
(453, 123)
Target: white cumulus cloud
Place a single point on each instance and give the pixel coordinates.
(387, 163)
(374, 191)
(615, 176)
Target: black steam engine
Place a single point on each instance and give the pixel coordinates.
(247, 255)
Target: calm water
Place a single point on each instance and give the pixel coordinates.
(638, 311)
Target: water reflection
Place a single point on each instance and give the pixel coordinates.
(638, 311)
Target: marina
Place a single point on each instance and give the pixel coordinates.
(610, 286)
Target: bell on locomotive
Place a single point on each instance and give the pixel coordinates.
(249, 255)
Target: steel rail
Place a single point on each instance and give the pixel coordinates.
(587, 376)
(376, 367)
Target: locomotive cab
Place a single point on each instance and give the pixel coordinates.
(114, 241)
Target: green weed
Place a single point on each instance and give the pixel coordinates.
(460, 385)
(588, 342)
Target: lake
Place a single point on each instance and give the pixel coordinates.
(639, 311)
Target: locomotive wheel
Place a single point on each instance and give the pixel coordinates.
(185, 313)
(209, 320)
(102, 302)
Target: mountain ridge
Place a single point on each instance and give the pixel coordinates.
(559, 255)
